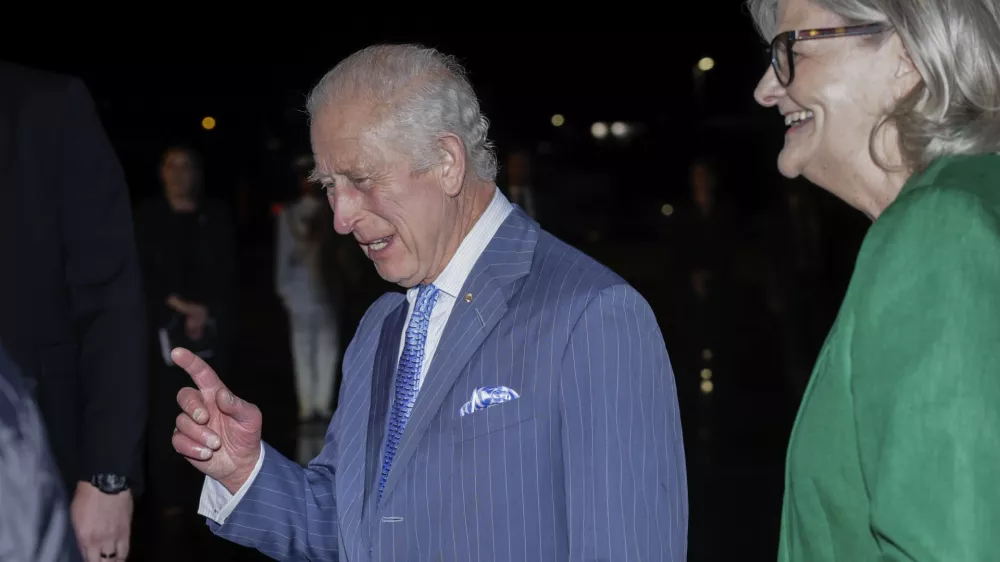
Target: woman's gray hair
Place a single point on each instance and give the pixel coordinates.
(955, 45)
(420, 94)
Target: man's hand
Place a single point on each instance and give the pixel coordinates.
(217, 432)
(102, 522)
(195, 316)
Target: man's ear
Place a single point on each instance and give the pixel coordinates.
(451, 170)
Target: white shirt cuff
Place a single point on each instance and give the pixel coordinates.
(216, 501)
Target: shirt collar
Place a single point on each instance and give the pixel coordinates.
(458, 269)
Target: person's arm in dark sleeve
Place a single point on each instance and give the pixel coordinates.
(103, 278)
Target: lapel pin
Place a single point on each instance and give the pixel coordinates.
(468, 297)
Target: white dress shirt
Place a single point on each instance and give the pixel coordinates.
(216, 501)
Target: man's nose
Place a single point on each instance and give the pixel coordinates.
(346, 203)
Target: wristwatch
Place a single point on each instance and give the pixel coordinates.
(110, 483)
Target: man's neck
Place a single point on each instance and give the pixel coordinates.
(471, 210)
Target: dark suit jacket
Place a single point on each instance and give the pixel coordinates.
(34, 521)
(71, 307)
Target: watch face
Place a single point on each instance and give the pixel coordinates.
(109, 483)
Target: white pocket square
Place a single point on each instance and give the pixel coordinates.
(486, 396)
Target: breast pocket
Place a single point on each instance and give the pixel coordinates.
(494, 418)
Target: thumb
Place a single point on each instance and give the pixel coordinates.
(244, 413)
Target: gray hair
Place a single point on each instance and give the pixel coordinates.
(420, 94)
(955, 45)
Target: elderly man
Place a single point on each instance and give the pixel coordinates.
(516, 404)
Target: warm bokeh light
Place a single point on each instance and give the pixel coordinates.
(208, 123)
(667, 209)
(619, 129)
(706, 64)
(558, 120)
(706, 374)
(599, 130)
(707, 387)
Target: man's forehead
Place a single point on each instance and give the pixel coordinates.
(342, 144)
(345, 156)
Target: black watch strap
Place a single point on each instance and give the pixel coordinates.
(109, 483)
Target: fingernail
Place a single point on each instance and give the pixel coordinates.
(204, 453)
(199, 415)
(213, 442)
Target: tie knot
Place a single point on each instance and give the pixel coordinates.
(426, 296)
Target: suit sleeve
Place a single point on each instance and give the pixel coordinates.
(103, 277)
(288, 512)
(626, 486)
(926, 354)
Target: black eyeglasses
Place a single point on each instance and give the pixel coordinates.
(782, 58)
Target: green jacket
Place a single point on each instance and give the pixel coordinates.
(895, 454)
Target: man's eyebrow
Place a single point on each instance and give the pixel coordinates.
(356, 169)
(316, 176)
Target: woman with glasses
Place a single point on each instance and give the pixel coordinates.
(894, 107)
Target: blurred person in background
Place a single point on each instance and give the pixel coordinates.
(187, 251)
(34, 519)
(303, 239)
(894, 107)
(71, 313)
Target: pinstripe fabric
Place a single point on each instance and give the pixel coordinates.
(588, 464)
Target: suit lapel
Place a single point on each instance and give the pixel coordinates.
(383, 368)
(506, 259)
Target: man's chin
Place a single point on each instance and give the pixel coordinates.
(388, 274)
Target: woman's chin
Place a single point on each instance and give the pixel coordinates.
(788, 165)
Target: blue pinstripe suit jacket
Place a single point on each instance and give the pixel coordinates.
(588, 464)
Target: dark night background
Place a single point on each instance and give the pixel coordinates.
(781, 250)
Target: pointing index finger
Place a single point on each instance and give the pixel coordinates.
(202, 375)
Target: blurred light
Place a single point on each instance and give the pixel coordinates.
(706, 64)
(558, 120)
(706, 354)
(599, 130)
(208, 123)
(667, 209)
(707, 387)
(706, 374)
(619, 129)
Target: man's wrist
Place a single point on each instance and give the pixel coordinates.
(239, 478)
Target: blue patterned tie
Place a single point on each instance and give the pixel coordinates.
(407, 375)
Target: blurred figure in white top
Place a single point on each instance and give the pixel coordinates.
(300, 284)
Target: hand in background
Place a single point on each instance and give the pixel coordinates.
(102, 522)
(195, 315)
(217, 432)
